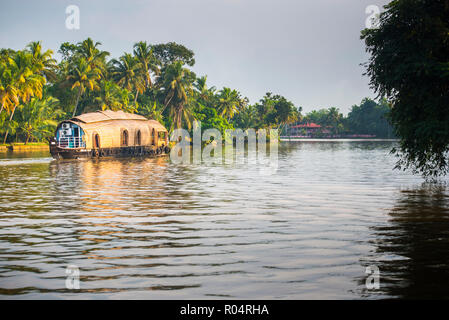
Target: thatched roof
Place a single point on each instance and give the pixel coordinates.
(155, 124)
(107, 115)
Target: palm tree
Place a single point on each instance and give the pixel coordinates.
(125, 97)
(109, 96)
(152, 111)
(23, 81)
(177, 88)
(95, 57)
(334, 119)
(200, 84)
(248, 118)
(30, 81)
(125, 72)
(43, 61)
(112, 97)
(148, 63)
(8, 87)
(38, 117)
(83, 77)
(229, 102)
(204, 93)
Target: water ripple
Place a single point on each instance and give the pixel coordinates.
(147, 228)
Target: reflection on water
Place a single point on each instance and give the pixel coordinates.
(412, 248)
(147, 228)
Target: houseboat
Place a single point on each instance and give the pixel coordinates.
(109, 134)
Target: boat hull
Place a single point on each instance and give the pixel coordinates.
(132, 151)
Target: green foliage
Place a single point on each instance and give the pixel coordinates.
(152, 111)
(153, 80)
(248, 117)
(38, 118)
(229, 102)
(176, 85)
(125, 72)
(324, 117)
(82, 77)
(82, 68)
(370, 118)
(409, 65)
(148, 63)
(168, 53)
(276, 110)
(210, 118)
(22, 76)
(112, 97)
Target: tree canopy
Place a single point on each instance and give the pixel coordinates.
(409, 65)
(156, 81)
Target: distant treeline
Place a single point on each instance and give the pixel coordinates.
(156, 81)
(368, 118)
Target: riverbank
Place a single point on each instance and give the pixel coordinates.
(33, 146)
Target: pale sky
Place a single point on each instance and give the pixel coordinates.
(309, 51)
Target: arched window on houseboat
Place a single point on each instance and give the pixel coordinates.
(96, 141)
(138, 138)
(124, 138)
(153, 137)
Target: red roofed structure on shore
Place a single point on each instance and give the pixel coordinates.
(307, 125)
(305, 129)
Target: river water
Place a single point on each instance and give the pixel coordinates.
(152, 229)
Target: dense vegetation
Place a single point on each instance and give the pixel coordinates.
(36, 92)
(409, 65)
(369, 118)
